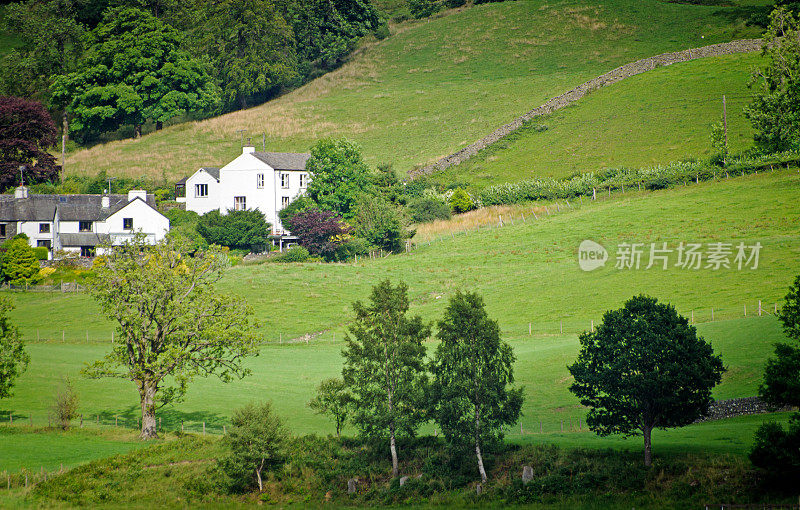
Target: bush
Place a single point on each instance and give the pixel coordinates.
(777, 451)
(296, 206)
(425, 209)
(19, 262)
(244, 230)
(423, 8)
(65, 404)
(382, 32)
(461, 201)
(320, 232)
(380, 223)
(293, 254)
(41, 252)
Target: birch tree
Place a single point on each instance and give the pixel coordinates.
(472, 372)
(172, 323)
(384, 366)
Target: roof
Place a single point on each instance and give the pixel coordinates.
(83, 239)
(284, 160)
(70, 207)
(213, 171)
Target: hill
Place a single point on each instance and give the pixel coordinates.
(434, 85)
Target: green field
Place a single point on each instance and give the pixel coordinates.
(660, 116)
(435, 85)
(527, 273)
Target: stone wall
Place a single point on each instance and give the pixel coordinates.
(556, 103)
(738, 407)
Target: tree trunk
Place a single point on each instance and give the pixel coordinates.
(258, 476)
(648, 459)
(64, 137)
(478, 445)
(137, 131)
(393, 449)
(147, 392)
(243, 102)
(159, 125)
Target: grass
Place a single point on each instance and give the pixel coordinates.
(457, 75)
(656, 117)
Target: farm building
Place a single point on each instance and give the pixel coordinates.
(80, 223)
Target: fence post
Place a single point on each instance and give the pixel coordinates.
(759, 308)
(562, 326)
(776, 308)
(204, 428)
(530, 329)
(594, 193)
(745, 310)
(592, 330)
(712, 314)
(562, 425)
(692, 316)
(81, 420)
(30, 417)
(62, 336)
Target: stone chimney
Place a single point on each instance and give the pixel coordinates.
(248, 149)
(21, 192)
(105, 202)
(137, 193)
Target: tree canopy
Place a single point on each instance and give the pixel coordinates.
(644, 368)
(246, 229)
(26, 133)
(339, 175)
(13, 358)
(172, 322)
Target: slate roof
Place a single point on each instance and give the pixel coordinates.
(284, 160)
(70, 207)
(213, 171)
(83, 239)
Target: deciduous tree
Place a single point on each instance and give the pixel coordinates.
(338, 175)
(26, 133)
(173, 324)
(320, 232)
(247, 229)
(333, 399)
(384, 366)
(13, 358)
(644, 367)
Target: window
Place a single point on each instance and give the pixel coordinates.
(303, 180)
(87, 251)
(259, 181)
(44, 228)
(284, 180)
(44, 242)
(239, 204)
(180, 191)
(284, 202)
(2, 229)
(127, 223)
(84, 226)
(201, 190)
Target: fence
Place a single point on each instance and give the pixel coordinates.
(61, 287)
(173, 422)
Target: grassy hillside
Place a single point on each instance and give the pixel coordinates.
(660, 116)
(527, 273)
(434, 85)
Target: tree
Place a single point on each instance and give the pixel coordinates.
(172, 322)
(338, 175)
(380, 223)
(246, 229)
(26, 133)
(257, 442)
(322, 233)
(429, 208)
(384, 366)
(461, 201)
(134, 70)
(775, 110)
(65, 404)
(252, 47)
(333, 399)
(644, 368)
(472, 369)
(20, 263)
(13, 358)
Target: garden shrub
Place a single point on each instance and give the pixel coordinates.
(41, 252)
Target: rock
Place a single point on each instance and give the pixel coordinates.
(352, 486)
(527, 474)
(403, 480)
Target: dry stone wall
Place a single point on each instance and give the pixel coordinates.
(558, 102)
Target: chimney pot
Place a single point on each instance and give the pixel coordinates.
(21, 192)
(248, 149)
(105, 202)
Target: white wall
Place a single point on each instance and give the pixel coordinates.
(202, 205)
(145, 219)
(31, 229)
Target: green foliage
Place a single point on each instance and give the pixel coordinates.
(298, 205)
(334, 399)
(338, 175)
(380, 223)
(428, 208)
(423, 8)
(384, 366)
(134, 71)
(776, 103)
(719, 143)
(643, 368)
(13, 358)
(172, 323)
(777, 452)
(247, 229)
(257, 443)
(19, 262)
(472, 369)
(461, 201)
(41, 252)
(65, 404)
(781, 384)
(293, 254)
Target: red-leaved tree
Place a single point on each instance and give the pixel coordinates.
(320, 232)
(26, 132)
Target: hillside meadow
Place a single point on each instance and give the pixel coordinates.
(459, 74)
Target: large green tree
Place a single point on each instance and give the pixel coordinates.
(13, 358)
(472, 371)
(134, 70)
(20, 265)
(173, 324)
(251, 44)
(384, 366)
(644, 367)
(775, 110)
(246, 229)
(339, 175)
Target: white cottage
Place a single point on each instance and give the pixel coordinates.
(79, 223)
(267, 181)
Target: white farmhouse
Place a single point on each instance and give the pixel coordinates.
(267, 181)
(79, 223)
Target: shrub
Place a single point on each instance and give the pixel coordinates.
(245, 230)
(293, 254)
(65, 404)
(777, 451)
(425, 209)
(41, 252)
(423, 8)
(19, 262)
(320, 232)
(297, 205)
(461, 201)
(382, 32)
(380, 223)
